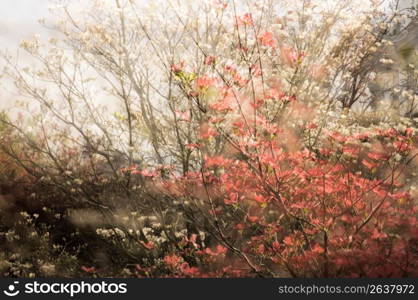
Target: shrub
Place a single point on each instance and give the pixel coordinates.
(249, 144)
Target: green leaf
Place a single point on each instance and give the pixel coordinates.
(406, 52)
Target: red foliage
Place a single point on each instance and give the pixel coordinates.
(340, 209)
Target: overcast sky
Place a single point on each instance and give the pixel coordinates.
(19, 19)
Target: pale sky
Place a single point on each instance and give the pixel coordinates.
(19, 19)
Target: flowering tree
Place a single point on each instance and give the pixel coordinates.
(237, 137)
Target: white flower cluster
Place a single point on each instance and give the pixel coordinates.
(386, 61)
(32, 46)
(109, 233)
(151, 236)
